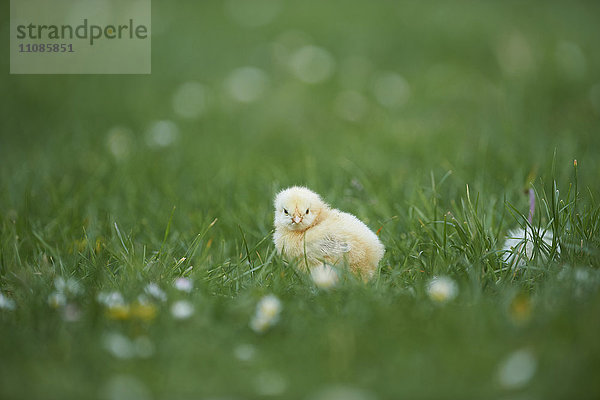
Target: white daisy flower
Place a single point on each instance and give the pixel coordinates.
(71, 313)
(144, 300)
(267, 313)
(244, 352)
(69, 286)
(519, 247)
(57, 299)
(183, 284)
(6, 303)
(517, 369)
(324, 276)
(269, 306)
(442, 289)
(110, 299)
(182, 309)
(119, 345)
(153, 290)
(260, 323)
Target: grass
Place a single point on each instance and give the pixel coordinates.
(86, 195)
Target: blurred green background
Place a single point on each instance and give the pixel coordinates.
(388, 110)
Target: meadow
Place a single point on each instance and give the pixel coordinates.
(428, 121)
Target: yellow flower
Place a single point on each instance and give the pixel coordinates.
(520, 308)
(119, 312)
(99, 244)
(144, 312)
(57, 299)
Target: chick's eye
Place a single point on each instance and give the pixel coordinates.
(285, 211)
(307, 210)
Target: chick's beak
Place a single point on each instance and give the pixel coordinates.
(297, 219)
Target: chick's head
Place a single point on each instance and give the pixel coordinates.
(297, 208)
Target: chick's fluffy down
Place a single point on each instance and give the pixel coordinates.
(309, 231)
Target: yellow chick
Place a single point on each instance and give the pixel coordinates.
(311, 232)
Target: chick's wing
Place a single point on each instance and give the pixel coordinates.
(333, 247)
